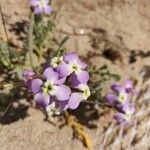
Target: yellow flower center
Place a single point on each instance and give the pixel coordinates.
(122, 97)
(49, 88)
(55, 61)
(75, 67)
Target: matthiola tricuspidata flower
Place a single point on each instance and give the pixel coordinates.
(41, 6)
(120, 98)
(63, 85)
(72, 65)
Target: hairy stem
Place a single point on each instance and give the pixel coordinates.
(5, 30)
(30, 39)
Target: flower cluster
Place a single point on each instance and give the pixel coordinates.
(41, 6)
(120, 100)
(63, 84)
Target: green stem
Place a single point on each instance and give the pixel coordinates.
(30, 39)
(5, 30)
(40, 54)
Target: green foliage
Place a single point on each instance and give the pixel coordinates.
(11, 61)
(41, 30)
(99, 78)
(39, 45)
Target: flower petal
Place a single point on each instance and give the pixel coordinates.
(74, 81)
(47, 9)
(63, 70)
(28, 84)
(117, 88)
(81, 64)
(63, 92)
(128, 109)
(50, 74)
(70, 57)
(60, 81)
(83, 76)
(28, 74)
(42, 99)
(33, 2)
(63, 105)
(38, 10)
(74, 100)
(129, 86)
(36, 85)
(122, 119)
(111, 98)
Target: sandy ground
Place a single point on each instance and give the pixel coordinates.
(93, 26)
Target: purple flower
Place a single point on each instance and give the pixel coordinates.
(121, 97)
(51, 87)
(63, 86)
(28, 76)
(73, 66)
(41, 6)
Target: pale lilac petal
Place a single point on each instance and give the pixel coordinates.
(28, 74)
(81, 64)
(111, 98)
(38, 10)
(74, 100)
(63, 70)
(42, 99)
(51, 75)
(83, 76)
(120, 106)
(63, 92)
(122, 119)
(47, 9)
(60, 81)
(128, 84)
(36, 85)
(33, 2)
(70, 57)
(117, 88)
(128, 109)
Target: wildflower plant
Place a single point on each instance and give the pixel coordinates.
(120, 99)
(62, 86)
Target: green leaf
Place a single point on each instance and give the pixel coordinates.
(116, 77)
